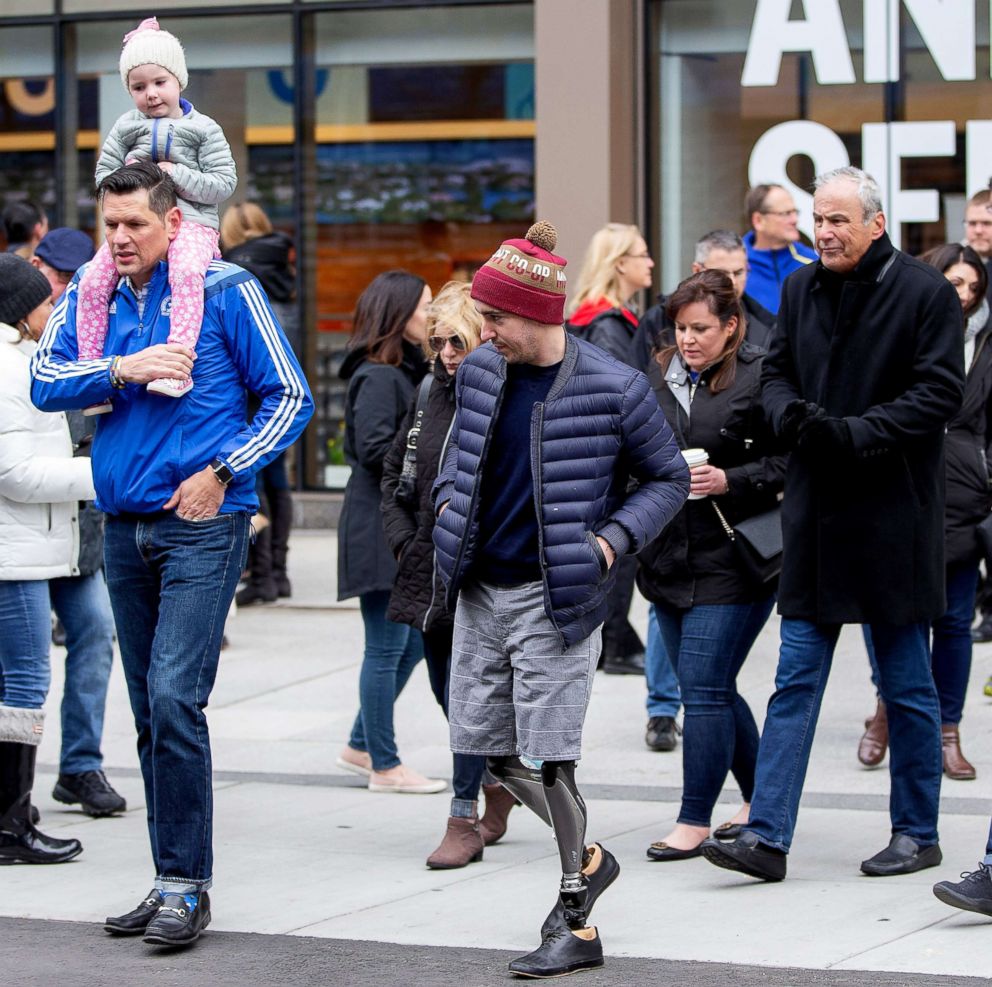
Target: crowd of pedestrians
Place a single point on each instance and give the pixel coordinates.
(790, 426)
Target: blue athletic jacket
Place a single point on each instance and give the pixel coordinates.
(149, 444)
(599, 427)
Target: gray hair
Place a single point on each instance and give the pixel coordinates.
(869, 194)
(716, 240)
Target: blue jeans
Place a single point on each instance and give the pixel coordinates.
(391, 652)
(659, 675)
(467, 769)
(83, 605)
(907, 688)
(710, 644)
(951, 647)
(171, 584)
(25, 639)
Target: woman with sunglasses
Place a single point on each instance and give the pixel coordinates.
(454, 329)
(384, 365)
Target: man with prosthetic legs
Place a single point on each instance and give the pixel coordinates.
(533, 511)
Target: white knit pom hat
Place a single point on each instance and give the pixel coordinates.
(148, 44)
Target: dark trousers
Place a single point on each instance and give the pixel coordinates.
(619, 637)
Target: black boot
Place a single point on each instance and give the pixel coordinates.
(261, 586)
(20, 842)
(281, 507)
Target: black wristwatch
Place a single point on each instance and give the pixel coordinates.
(222, 472)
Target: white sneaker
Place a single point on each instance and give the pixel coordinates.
(98, 409)
(405, 781)
(171, 387)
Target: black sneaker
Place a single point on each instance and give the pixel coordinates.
(561, 952)
(92, 791)
(134, 922)
(179, 920)
(982, 634)
(662, 733)
(973, 893)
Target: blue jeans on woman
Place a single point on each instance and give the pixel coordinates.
(171, 584)
(708, 645)
(906, 687)
(467, 769)
(950, 647)
(25, 639)
(391, 652)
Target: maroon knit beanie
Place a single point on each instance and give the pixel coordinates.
(524, 277)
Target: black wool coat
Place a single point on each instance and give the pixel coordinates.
(863, 529)
(693, 561)
(376, 403)
(967, 449)
(418, 596)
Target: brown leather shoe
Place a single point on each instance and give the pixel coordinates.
(462, 844)
(492, 825)
(956, 765)
(875, 742)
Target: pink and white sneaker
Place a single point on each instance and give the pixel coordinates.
(171, 387)
(104, 408)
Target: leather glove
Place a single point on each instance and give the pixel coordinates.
(829, 438)
(796, 413)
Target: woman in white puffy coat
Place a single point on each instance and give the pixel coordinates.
(41, 485)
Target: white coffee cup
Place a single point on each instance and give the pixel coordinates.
(693, 458)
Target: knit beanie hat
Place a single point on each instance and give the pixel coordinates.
(524, 277)
(22, 288)
(148, 44)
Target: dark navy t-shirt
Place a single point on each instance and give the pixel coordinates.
(508, 538)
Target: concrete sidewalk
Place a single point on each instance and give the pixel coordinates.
(303, 850)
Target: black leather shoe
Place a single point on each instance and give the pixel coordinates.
(632, 664)
(561, 952)
(134, 922)
(728, 831)
(662, 852)
(903, 855)
(175, 923)
(30, 846)
(746, 855)
(257, 593)
(95, 795)
(662, 733)
(982, 634)
(598, 881)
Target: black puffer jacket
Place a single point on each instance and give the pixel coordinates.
(416, 599)
(375, 406)
(966, 448)
(693, 561)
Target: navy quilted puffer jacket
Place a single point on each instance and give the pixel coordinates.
(599, 427)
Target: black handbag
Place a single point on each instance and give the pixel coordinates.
(406, 484)
(758, 541)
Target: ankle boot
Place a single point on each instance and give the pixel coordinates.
(462, 844)
(499, 802)
(19, 840)
(956, 765)
(281, 508)
(875, 742)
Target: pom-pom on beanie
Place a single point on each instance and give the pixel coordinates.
(148, 44)
(524, 277)
(22, 289)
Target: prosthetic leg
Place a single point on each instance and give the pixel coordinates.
(568, 943)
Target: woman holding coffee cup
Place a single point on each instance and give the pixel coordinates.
(710, 607)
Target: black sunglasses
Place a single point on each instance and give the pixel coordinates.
(436, 343)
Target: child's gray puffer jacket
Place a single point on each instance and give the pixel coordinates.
(204, 170)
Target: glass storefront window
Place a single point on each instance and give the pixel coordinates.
(27, 117)
(771, 91)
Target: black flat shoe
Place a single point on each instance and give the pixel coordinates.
(903, 855)
(175, 923)
(598, 881)
(728, 831)
(747, 855)
(662, 851)
(134, 922)
(561, 952)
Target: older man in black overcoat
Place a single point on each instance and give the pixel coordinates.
(865, 371)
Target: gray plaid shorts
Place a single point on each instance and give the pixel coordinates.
(513, 690)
